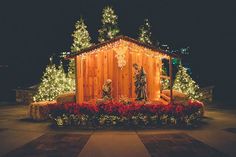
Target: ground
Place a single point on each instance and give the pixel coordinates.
(21, 137)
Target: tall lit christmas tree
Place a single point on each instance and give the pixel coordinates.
(109, 27)
(81, 40)
(54, 82)
(185, 84)
(145, 32)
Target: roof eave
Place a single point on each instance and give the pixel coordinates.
(126, 39)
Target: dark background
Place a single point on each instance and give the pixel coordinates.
(31, 31)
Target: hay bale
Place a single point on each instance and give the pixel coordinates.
(66, 98)
(175, 93)
(39, 110)
(178, 97)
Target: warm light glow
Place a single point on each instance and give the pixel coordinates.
(135, 48)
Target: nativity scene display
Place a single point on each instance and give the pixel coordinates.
(123, 66)
(120, 81)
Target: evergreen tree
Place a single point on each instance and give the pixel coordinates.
(109, 27)
(71, 74)
(71, 69)
(185, 84)
(54, 82)
(145, 32)
(81, 40)
(165, 83)
(67, 81)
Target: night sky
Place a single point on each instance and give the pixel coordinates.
(31, 31)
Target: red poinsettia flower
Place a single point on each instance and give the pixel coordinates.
(179, 109)
(113, 108)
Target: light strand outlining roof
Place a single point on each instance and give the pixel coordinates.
(125, 38)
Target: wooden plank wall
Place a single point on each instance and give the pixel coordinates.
(94, 69)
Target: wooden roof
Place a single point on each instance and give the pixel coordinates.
(125, 38)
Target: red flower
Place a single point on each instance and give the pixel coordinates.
(179, 109)
(167, 109)
(119, 109)
(153, 108)
(86, 108)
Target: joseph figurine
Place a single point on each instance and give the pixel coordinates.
(140, 83)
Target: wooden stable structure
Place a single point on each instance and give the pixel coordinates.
(114, 60)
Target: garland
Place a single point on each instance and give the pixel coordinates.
(120, 55)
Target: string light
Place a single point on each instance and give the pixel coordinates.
(122, 43)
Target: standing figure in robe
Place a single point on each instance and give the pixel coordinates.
(140, 83)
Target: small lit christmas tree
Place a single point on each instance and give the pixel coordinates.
(145, 32)
(185, 84)
(109, 27)
(165, 83)
(54, 82)
(81, 40)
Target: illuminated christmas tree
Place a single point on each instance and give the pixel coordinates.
(165, 83)
(185, 84)
(71, 69)
(81, 40)
(71, 75)
(109, 28)
(145, 32)
(54, 82)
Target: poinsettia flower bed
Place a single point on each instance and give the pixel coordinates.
(115, 114)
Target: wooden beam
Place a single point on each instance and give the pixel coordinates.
(79, 80)
(165, 77)
(76, 80)
(171, 79)
(165, 97)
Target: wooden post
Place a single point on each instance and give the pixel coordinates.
(171, 79)
(79, 79)
(76, 80)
